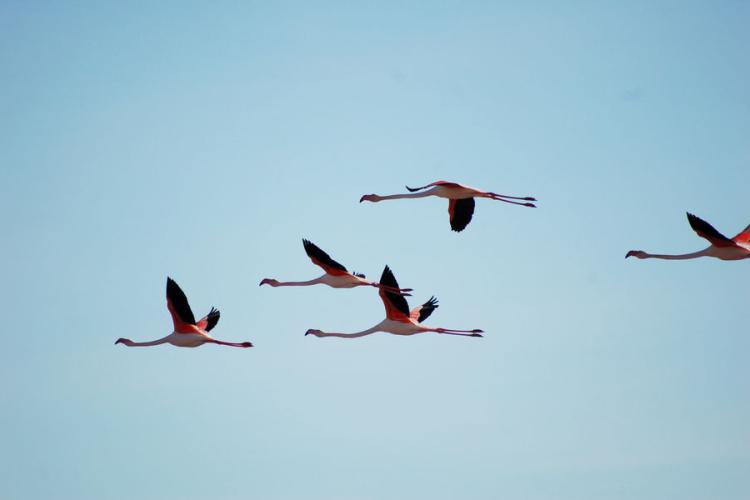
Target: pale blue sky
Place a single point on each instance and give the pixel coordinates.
(204, 140)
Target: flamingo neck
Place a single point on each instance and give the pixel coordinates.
(301, 283)
(422, 194)
(130, 343)
(685, 256)
(350, 335)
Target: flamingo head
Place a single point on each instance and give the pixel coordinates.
(269, 281)
(312, 332)
(123, 341)
(247, 344)
(640, 254)
(370, 197)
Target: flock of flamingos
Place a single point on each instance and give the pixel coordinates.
(399, 319)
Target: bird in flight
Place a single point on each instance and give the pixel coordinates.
(460, 199)
(187, 331)
(721, 247)
(399, 319)
(336, 275)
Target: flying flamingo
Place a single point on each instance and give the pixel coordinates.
(461, 200)
(335, 276)
(187, 332)
(721, 247)
(399, 320)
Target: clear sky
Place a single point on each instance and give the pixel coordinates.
(204, 140)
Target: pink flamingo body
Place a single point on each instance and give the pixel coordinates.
(723, 248)
(336, 275)
(187, 332)
(461, 199)
(399, 319)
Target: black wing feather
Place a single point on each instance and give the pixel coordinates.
(427, 309)
(316, 253)
(179, 301)
(463, 211)
(705, 229)
(398, 301)
(212, 318)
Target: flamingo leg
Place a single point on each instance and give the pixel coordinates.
(496, 198)
(231, 344)
(463, 333)
(525, 198)
(400, 291)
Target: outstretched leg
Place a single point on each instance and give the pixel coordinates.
(398, 291)
(231, 344)
(463, 333)
(525, 198)
(498, 198)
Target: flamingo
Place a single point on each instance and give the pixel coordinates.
(187, 331)
(721, 247)
(399, 320)
(461, 199)
(336, 275)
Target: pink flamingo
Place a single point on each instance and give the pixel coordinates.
(399, 320)
(721, 247)
(336, 275)
(187, 331)
(461, 200)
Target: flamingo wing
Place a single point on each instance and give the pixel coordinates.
(423, 312)
(322, 259)
(179, 308)
(707, 231)
(396, 307)
(209, 321)
(461, 212)
(743, 237)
